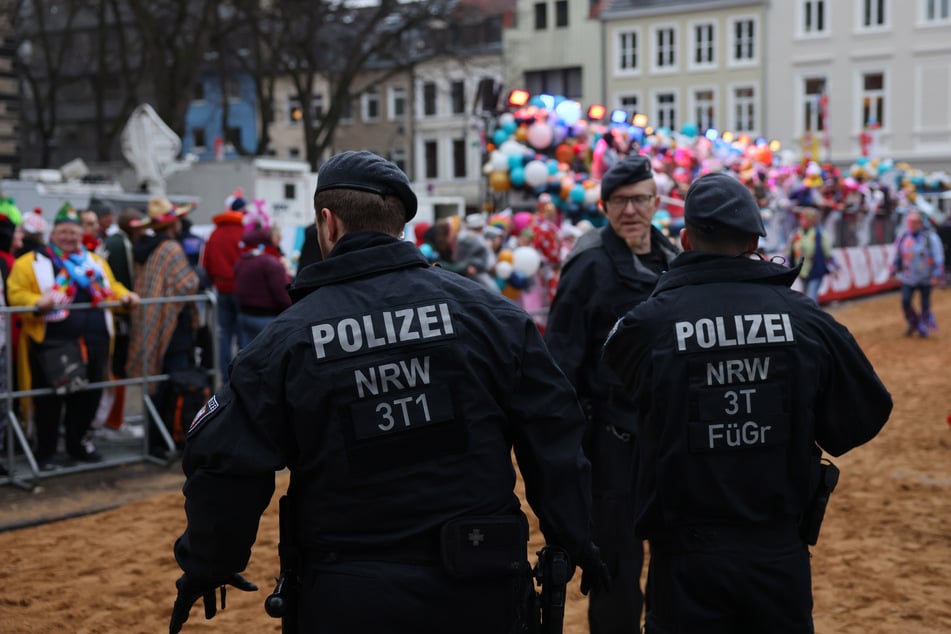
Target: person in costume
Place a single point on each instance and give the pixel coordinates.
(51, 279)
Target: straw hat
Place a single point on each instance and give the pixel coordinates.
(161, 213)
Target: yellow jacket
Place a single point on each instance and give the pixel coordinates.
(24, 289)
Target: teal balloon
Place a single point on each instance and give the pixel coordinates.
(517, 176)
(500, 136)
(552, 167)
(509, 127)
(577, 194)
(690, 129)
(516, 161)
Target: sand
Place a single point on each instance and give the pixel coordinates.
(883, 562)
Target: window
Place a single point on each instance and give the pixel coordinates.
(232, 88)
(665, 49)
(873, 99)
(199, 136)
(398, 156)
(371, 104)
(459, 158)
(744, 109)
(541, 16)
(457, 92)
(561, 13)
(704, 109)
(290, 191)
(665, 104)
(744, 41)
(293, 152)
(813, 16)
(627, 51)
(873, 13)
(295, 112)
(813, 90)
(346, 111)
(431, 156)
(429, 99)
(703, 45)
(630, 104)
(397, 102)
(555, 81)
(935, 11)
(233, 136)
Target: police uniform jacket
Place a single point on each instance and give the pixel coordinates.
(395, 393)
(600, 281)
(736, 378)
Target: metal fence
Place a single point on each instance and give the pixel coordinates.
(18, 459)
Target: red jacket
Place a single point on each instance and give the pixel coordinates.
(222, 250)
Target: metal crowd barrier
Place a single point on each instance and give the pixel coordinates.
(18, 459)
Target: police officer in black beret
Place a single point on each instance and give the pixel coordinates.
(739, 383)
(394, 392)
(609, 271)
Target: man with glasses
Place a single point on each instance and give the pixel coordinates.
(610, 271)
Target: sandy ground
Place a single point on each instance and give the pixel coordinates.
(883, 562)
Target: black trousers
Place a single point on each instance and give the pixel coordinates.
(613, 458)
(76, 411)
(718, 581)
(395, 598)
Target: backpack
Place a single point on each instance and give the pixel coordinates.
(189, 390)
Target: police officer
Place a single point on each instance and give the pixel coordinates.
(609, 271)
(738, 382)
(394, 392)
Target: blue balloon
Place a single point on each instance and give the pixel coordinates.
(515, 161)
(689, 129)
(552, 167)
(500, 136)
(517, 176)
(517, 280)
(510, 127)
(577, 194)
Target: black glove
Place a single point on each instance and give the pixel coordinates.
(595, 574)
(189, 589)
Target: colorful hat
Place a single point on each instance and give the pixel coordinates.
(236, 202)
(9, 209)
(34, 223)
(66, 213)
(256, 216)
(161, 213)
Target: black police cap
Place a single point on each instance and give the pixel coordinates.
(368, 172)
(720, 200)
(632, 169)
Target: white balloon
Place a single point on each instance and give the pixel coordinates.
(512, 148)
(591, 195)
(505, 118)
(526, 261)
(503, 270)
(536, 173)
(499, 161)
(540, 135)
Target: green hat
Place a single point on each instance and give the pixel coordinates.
(9, 209)
(66, 213)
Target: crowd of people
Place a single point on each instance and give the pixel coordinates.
(94, 255)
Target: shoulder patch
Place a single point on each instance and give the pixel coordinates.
(207, 410)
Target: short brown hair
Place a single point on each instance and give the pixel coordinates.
(363, 211)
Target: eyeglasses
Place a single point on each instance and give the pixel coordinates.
(640, 201)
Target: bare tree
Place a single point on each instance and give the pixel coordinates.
(174, 36)
(45, 28)
(331, 43)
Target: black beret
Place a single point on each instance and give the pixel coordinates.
(632, 169)
(368, 172)
(721, 200)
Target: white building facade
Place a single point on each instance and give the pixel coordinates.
(847, 78)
